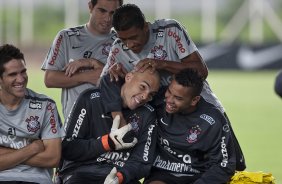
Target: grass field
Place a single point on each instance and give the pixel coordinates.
(252, 106)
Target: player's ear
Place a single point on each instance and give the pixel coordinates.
(195, 100)
(128, 76)
(90, 6)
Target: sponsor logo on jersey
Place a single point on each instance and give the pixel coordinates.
(106, 49)
(226, 128)
(134, 120)
(224, 153)
(193, 134)
(33, 124)
(79, 121)
(209, 119)
(116, 158)
(95, 95)
(73, 33)
(177, 39)
(148, 106)
(162, 121)
(159, 52)
(148, 143)
(56, 50)
(52, 118)
(35, 105)
(177, 167)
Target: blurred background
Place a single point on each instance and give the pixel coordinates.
(241, 42)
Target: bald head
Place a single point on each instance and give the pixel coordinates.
(139, 87)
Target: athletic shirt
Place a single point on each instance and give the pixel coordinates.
(76, 43)
(35, 118)
(83, 148)
(168, 41)
(198, 143)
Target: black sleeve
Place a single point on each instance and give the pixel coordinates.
(141, 159)
(278, 84)
(80, 143)
(110, 93)
(223, 155)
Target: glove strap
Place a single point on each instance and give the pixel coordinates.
(106, 142)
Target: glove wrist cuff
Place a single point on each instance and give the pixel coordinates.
(105, 142)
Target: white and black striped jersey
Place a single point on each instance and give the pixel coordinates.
(36, 118)
(72, 44)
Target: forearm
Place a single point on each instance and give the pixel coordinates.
(50, 157)
(58, 79)
(83, 149)
(11, 157)
(193, 60)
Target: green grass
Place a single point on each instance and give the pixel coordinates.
(252, 106)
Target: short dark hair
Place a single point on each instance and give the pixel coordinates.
(7, 53)
(190, 78)
(128, 16)
(94, 2)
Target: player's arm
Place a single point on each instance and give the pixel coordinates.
(110, 93)
(222, 155)
(51, 155)
(141, 159)
(12, 157)
(193, 60)
(58, 79)
(86, 63)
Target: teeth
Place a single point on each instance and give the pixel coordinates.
(19, 86)
(137, 100)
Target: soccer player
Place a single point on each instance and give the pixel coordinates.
(96, 150)
(163, 45)
(194, 140)
(30, 127)
(77, 55)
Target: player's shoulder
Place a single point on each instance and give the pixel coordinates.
(37, 99)
(71, 31)
(166, 24)
(90, 94)
(210, 113)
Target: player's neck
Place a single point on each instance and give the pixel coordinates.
(9, 102)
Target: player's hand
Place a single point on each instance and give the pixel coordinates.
(72, 67)
(143, 64)
(117, 135)
(112, 177)
(117, 70)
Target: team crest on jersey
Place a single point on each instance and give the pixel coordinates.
(106, 49)
(134, 120)
(193, 134)
(33, 124)
(159, 52)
